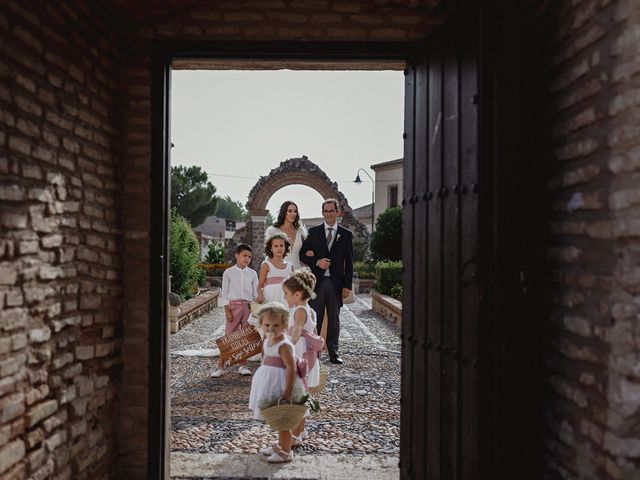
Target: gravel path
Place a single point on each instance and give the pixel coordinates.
(360, 407)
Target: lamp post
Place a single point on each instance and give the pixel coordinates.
(373, 190)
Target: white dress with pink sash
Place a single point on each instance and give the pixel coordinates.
(313, 375)
(273, 286)
(269, 381)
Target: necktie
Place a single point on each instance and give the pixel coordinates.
(329, 237)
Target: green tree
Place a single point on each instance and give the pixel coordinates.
(386, 241)
(183, 256)
(192, 195)
(231, 209)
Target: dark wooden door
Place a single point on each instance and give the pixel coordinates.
(442, 284)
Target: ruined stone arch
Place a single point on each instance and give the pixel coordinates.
(295, 171)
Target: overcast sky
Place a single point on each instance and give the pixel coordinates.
(238, 125)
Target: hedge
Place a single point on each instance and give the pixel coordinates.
(388, 274)
(365, 270)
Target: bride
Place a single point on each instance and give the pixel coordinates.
(288, 222)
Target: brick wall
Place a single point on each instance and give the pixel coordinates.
(60, 235)
(595, 68)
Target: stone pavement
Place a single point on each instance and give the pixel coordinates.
(355, 434)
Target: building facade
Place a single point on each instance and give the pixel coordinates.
(388, 185)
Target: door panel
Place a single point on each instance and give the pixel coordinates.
(433, 233)
(439, 433)
(407, 450)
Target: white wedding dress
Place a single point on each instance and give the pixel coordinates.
(294, 255)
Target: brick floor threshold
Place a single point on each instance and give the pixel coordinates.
(303, 467)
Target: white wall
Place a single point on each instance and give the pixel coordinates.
(385, 178)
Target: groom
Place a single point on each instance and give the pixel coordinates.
(332, 264)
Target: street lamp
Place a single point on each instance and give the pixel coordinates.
(373, 190)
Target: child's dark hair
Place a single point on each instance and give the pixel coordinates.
(241, 247)
(301, 281)
(278, 235)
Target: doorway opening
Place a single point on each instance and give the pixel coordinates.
(210, 421)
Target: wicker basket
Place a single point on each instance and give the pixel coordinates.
(284, 417)
(324, 374)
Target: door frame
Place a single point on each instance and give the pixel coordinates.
(164, 52)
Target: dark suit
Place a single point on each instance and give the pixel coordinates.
(329, 289)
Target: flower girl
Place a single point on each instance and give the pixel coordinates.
(275, 269)
(298, 289)
(277, 378)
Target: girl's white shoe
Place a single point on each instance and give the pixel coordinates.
(267, 451)
(280, 456)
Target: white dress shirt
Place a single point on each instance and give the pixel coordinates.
(239, 284)
(334, 232)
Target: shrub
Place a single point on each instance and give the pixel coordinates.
(360, 249)
(215, 253)
(386, 241)
(396, 292)
(388, 274)
(183, 256)
(365, 270)
(202, 276)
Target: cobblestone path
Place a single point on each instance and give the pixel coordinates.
(360, 407)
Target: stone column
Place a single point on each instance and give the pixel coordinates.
(256, 229)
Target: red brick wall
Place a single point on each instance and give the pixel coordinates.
(595, 68)
(60, 235)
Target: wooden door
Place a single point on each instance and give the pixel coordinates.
(441, 300)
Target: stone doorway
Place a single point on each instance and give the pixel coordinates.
(304, 172)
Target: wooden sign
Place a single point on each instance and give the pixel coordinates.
(239, 345)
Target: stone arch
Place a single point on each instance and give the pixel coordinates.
(295, 171)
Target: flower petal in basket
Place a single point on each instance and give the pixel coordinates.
(284, 417)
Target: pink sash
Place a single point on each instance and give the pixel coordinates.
(314, 342)
(301, 366)
(274, 280)
(314, 347)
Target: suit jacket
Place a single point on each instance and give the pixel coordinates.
(341, 256)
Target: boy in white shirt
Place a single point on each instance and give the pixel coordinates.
(239, 288)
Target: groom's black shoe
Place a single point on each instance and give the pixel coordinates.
(336, 359)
